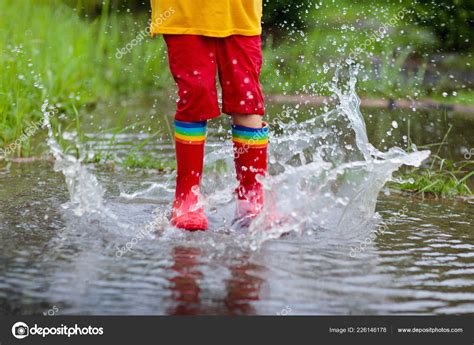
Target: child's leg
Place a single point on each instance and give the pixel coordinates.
(250, 156)
(192, 61)
(252, 121)
(189, 138)
(239, 62)
(196, 79)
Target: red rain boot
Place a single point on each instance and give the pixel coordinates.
(187, 213)
(250, 155)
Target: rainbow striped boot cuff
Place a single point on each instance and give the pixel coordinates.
(193, 133)
(250, 137)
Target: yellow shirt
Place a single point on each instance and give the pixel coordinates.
(214, 18)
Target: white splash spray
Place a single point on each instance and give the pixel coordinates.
(337, 188)
(86, 193)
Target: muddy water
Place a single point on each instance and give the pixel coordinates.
(52, 259)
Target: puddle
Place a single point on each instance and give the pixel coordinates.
(337, 246)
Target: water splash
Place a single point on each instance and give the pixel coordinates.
(337, 188)
(324, 175)
(324, 178)
(85, 192)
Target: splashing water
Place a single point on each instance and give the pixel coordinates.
(85, 192)
(325, 175)
(324, 178)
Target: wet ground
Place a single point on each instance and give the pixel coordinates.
(52, 260)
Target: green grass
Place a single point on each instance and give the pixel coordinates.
(446, 180)
(147, 162)
(133, 160)
(442, 178)
(48, 51)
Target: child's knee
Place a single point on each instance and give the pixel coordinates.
(197, 100)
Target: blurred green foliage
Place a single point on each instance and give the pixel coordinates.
(94, 7)
(278, 14)
(451, 20)
(283, 15)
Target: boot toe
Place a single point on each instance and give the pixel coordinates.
(191, 221)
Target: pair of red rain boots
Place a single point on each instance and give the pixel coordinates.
(250, 155)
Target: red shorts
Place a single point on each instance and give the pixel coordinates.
(194, 61)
